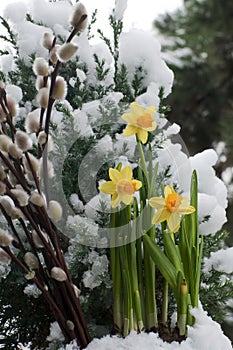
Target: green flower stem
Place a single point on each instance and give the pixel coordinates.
(149, 273)
(116, 277)
(165, 303)
(143, 162)
(128, 322)
(134, 271)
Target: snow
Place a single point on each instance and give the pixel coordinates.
(120, 7)
(222, 261)
(204, 335)
(15, 12)
(146, 54)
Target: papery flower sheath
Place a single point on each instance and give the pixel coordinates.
(140, 121)
(121, 187)
(170, 208)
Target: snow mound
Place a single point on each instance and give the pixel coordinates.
(204, 335)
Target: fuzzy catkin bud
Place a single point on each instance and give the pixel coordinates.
(59, 90)
(13, 179)
(79, 17)
(32, 122)
(37, 199)
(5, 141)
(58, 274)
(31, 261)
(12, 106)
(7, 204)
(41, 82)
(4, 257)
(53, 54)
(77, 291)
(14, 151)
(3, 175)
(55, 210)
(5, 238)
(43, 97)
(66, 51)
(42, 138)
(2, 188)
(37, 240)
(70, 325)
(47, 41)
(40, 67)
(23, 141)
(34, 163)
(21, 197)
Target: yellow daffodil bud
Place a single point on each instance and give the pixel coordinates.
(21, 197)
(40, 67)
(79, 17)
(58, 274)
(31, 261)
(55, 210)
(60, 89)
(5, 238)
(66, 51)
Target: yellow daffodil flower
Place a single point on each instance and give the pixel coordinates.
(140, 121)
(170, 208)
(121, 187)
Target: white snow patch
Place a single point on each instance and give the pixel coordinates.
(222, 261)
(138, 48)
(120, 7)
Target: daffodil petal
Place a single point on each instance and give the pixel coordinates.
(174, 222)
(152, 127)
(116, 201)
(114, 175)
(168, 190)
(186, 210)
(108, 187)
(127, 173)
(130, 130)
(137, 184)
(136, 109)
(129, 118)
(160, 216)
(126, 199)
(151, 110)
(157, 202)
(142, 135)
